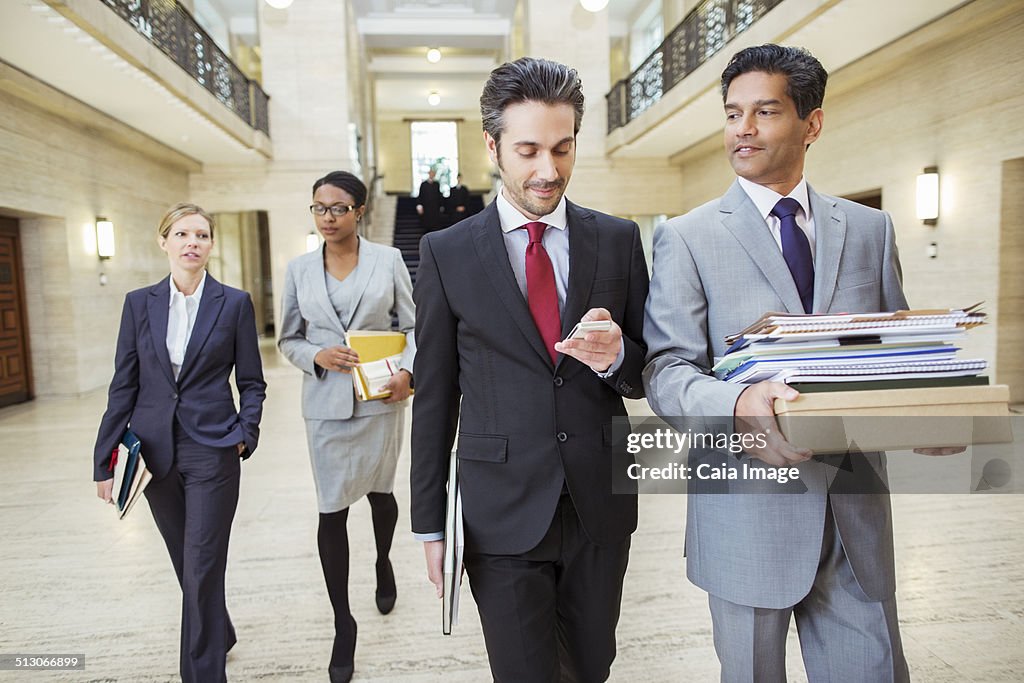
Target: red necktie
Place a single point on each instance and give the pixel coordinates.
(540, 289)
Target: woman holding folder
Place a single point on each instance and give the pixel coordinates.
(349, 283)
(179, 342)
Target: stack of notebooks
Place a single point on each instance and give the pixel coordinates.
(903, 349)
(380, 355)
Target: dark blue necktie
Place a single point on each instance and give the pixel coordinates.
(796, 250)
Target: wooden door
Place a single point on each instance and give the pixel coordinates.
(15, 371)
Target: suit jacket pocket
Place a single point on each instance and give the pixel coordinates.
(856, 278)
(482, 448)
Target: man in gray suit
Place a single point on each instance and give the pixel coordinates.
(772, 243)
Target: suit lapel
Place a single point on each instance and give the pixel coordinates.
(363, 273)
(316, 279)
(157, 306)
(209, 308)
(741, 218)
(583, 248)
(829, 237)
(490, 247)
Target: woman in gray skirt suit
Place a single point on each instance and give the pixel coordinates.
(349, 283)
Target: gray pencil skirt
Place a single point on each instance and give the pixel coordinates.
(353, 457)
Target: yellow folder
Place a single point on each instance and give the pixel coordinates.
(381, 349)
(374, 345)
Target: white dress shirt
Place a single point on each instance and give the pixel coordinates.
(555, 242)
(181, 318)
(765, 199)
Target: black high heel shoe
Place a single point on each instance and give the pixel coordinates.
(342, 672)
(387, 592)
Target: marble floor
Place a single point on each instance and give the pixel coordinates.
(73, 579)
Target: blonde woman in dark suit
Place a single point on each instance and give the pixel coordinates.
(179, 342)
(349, 283)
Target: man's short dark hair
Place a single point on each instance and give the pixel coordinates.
(529, 80)
(805, 76)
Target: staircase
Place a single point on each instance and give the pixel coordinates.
(407, 233)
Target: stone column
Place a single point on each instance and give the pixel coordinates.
(306, 71)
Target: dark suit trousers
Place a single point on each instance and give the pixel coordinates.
(193, 507)
(549, 614)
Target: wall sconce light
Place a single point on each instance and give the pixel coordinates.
(434, 98)
(312, 241)
(594, 5)
(928, 196)
(104, 238)
(280, 4)
(433, 55)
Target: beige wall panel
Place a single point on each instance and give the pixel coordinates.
(394, 155)
(1010, 325)
(58, 177)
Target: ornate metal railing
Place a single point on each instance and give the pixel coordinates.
(170, 27)
(704, 31)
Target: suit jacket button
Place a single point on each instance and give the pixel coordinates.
(174, 397)
(559, 381)
(562, 436)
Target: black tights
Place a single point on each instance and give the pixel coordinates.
(332, 540)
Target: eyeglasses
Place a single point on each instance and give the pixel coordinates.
(337, 210)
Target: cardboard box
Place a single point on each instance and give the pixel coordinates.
(869, 420)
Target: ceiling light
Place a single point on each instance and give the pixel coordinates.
(434, 98)
(594, 5)
(280, 4)
(433, 55)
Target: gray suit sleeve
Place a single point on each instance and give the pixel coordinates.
(679, 357)
(893, 298)
(292, 340)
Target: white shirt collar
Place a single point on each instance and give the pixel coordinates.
(765, 198)
(196, 295)
(512, 218)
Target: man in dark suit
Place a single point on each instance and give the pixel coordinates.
(428, 203)
(458, 199)
(546, 540)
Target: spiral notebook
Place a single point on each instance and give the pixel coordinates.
(792, 328)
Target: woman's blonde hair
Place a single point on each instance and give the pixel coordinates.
(179, 211)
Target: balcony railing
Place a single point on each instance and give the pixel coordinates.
(704, 31)
(169, 27)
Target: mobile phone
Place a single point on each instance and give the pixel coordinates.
(580, 330)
